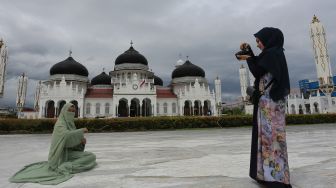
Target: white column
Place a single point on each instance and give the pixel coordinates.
(129, 107)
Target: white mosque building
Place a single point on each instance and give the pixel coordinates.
(313, 96)
(129, 90)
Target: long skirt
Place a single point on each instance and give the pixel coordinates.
(269, 158)
(77, 161)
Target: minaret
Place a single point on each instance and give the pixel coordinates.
(244, 81)
(218, 94)
(37, 96)
(21, 92)
(321, 56)
(218, 90)
(3, 63)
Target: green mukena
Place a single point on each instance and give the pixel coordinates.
(66, 155)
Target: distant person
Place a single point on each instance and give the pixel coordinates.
(66, 154)
(269, 159)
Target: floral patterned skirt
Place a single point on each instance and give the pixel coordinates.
(272, 158)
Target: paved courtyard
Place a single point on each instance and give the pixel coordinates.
(198, 158)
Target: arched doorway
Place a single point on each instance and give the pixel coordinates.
(300, 109)
(135, 108)
(123, 108)
(206, 108)
(307, 108)
(60, 106)
(50, 112)
(146, 108)
(187, 108)
(197, 108)
(316, 110)
(76, 106)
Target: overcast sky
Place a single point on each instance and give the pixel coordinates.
(40, 33)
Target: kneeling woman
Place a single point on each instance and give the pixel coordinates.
(66, 154)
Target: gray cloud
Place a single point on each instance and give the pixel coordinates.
(40, 33)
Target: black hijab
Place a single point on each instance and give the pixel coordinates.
(273, 60)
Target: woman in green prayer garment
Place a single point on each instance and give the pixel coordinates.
(66, 154)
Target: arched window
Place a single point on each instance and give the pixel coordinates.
(157, 108)
(174, 108)
(316, 107)
(293, 109)
(107, 108)
(165, 108)
(88, 108)
(97, 108)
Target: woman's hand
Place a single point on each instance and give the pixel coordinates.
(83, 141)
(85, 130)
(242, 57)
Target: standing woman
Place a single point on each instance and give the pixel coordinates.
(269, 159)
(66, 154)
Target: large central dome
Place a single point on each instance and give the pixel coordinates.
(131, 56)
(69, 66)
(188, 69)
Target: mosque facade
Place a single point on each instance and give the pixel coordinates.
(131, 89)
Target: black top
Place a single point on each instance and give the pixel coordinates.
(272, 59)
(69, 66)
(188, 69)
(101, 79)
(131, 56)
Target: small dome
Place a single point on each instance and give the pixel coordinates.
(158, 81)
(101, 79)
(131, 56)
(69, 66)
(188, 69)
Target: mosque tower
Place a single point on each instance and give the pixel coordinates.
(321, 56)
(218, 94)
(244, 81)
(37, 96)
(3, 63)
(21, 91)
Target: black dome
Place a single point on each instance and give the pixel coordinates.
(188, 69)
(69, 66)
(158, 81)
(131, 56)
(101, 79)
